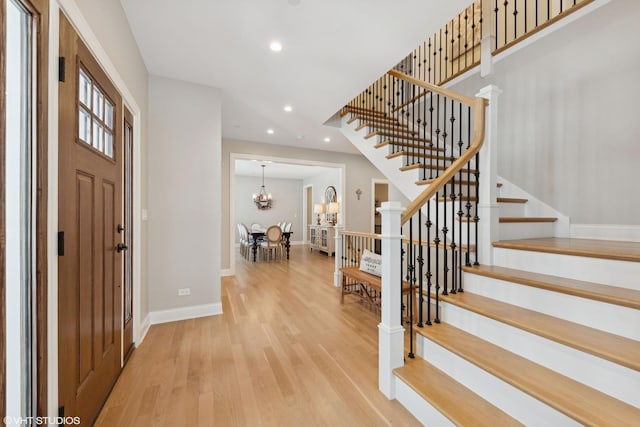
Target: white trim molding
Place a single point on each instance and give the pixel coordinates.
(185, 313)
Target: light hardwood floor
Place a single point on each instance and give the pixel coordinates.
(284, 353)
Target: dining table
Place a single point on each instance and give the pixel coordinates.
(259, 234)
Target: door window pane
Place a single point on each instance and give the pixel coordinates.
(96, 119)
(108, 114)
(84, 91)
(84, 125)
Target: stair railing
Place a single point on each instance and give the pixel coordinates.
(426, 244)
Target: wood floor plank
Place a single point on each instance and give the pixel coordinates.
(285, 352)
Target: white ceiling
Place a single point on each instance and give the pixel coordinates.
(332, 50)
(278, 169)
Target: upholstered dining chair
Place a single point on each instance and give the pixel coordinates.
(271, 245)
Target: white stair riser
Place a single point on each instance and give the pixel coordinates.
(419, 408)
(610, 378)
(610, 318)
(610, 272)
(512, 209)
(511, 400)
(525, 230)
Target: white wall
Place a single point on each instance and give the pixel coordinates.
(184, 188)
(286, 205)
(568, 116)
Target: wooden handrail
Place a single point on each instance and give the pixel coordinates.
(360, 234)
(478, 105)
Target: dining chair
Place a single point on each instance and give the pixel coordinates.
(246, 242)
(272, 245)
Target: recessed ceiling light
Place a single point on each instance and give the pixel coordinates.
(288, 108)
(275, 46)
(270, 131)
(327, 139)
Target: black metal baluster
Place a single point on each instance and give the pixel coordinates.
(411, 278)
(445, 230)
(468, 204)
(515, 19)
(429, 274)
(420, 271)
(436, 240)
(477, 218)
(460, 187)
(402, 254)
(452, 197)
(505, 4)
(495, 11)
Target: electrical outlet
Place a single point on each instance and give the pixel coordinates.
(184, 292)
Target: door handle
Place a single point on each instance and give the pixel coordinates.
(121, 247)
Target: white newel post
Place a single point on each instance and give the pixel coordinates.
(338, 256)
(488, 208)
(390, 330)
(487, 40)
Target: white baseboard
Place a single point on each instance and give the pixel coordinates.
(184, 313)
(226, 272)
(628, 233)
(144, 328)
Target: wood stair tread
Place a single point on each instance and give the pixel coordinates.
(407, 145)
(511, 200)
(373, 119)
(567, 396)
(397, 128)
(614, 348)
(396, 136)
(605, 249)
(456, 182)
(419, 165)
(383, 125)
(422, 155)
(595, 291)
(511, 219)
(351, 109)
(445, 394)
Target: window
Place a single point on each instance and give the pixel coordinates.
(19, 218)
(95, 115)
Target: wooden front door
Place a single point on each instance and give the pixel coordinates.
(90, 211)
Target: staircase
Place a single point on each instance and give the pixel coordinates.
(545, 349)
(547, 335)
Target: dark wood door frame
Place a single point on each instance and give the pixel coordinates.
(39, 10)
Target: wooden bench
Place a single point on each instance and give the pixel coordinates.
(367, 287)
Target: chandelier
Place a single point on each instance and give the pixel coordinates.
(262, 199)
